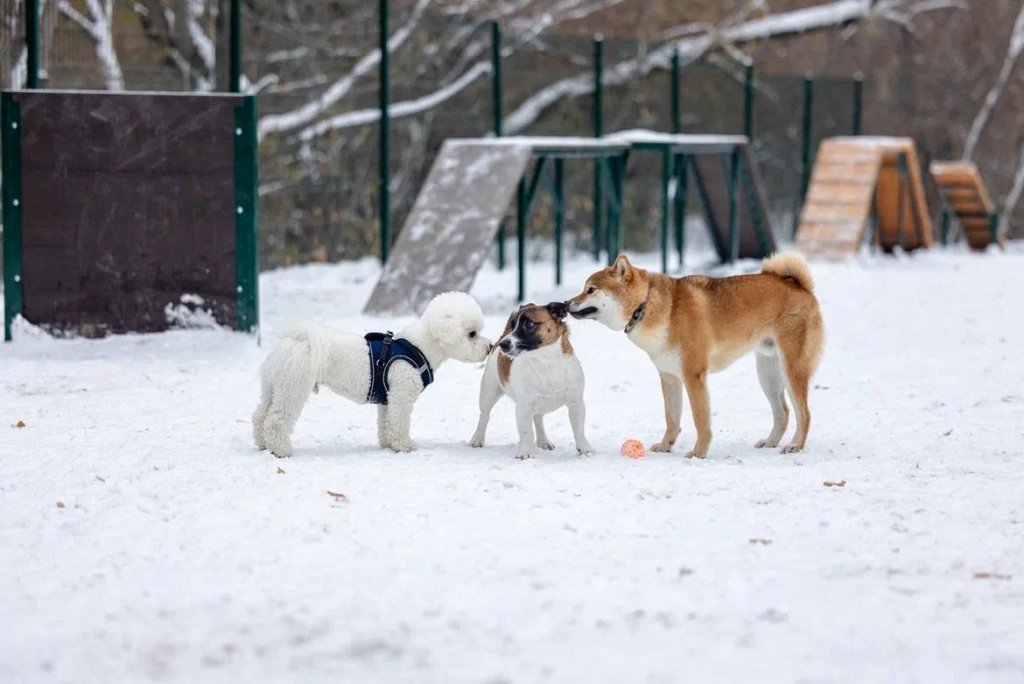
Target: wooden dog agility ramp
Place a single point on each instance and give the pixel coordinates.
(967, 198)
(855, 178)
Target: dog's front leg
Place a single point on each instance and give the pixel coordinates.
(524, 423)
(672, 392)
(577, 418)
(700, 405)
(404, 387)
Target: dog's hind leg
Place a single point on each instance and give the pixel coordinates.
(259, 416)
(490, 393)
(769, 374)
(672, 392)
(797, 365)
(542, 437)
(286, 402)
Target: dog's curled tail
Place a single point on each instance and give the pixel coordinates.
(790, 265)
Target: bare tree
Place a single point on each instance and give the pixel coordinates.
(981, 119)
(99, 25)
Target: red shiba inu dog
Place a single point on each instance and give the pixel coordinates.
(697, 325)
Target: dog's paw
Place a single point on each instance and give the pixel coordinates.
(524, 454)
(696, 454)
(403, 446)
(662, 447)
(790, 449)
(766, 443)
(476, 442)
(585, 449)
(546, 445)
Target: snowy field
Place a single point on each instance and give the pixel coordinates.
(142, 536)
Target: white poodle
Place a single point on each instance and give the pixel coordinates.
(310, 355)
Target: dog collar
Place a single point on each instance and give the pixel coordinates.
(638, 313)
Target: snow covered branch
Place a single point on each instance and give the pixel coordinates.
(397, 110)
(288, 121)
(99, 26)
(823, 16)
(1013, 52)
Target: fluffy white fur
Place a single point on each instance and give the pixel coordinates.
(310, 355)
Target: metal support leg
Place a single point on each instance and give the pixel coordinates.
(666, 182)
(559, 200)
(521, 239)
(734, 214)
(682, 164)
(945, 226)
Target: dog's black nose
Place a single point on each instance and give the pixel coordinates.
(505, 345)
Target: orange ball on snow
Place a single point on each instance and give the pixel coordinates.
(633, 448)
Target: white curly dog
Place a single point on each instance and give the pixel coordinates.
(310, 355)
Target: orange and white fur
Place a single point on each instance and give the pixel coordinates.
(697, 325)
(535, 365)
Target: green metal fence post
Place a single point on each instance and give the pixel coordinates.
(944, 224)
(858, 102)
(748, 99)
(235, 66)
(559, 198)
(496, 109)
(666, 183)
(598, 132)
(993, 226)
(32, 43)
(680, 171)
(384, 190)
(246, 156)
(10, 138)
(521, 239)
(734, 213)
(805, 146)
(677, 96)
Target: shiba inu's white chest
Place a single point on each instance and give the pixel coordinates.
(655, 343)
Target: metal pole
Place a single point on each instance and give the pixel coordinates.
(666, 180)
(805, 146)
(734, 214)
(496, 109)
(682, 162)
(748, 100)
(858, 102)
(32, 43)
(677, 103)
(559, 216)
(384, 190)
(521, 235)
(235, 67)
(598, 132)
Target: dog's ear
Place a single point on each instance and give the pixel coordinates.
(558, 310)
(622, 269)
(446, 328)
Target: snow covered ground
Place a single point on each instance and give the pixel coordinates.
(142, 536)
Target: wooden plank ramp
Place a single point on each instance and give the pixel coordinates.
(968, 199)
(854, 178)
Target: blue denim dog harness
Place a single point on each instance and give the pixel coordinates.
(384, 350)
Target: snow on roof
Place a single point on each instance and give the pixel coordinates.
(541, 142)
(640, 135)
